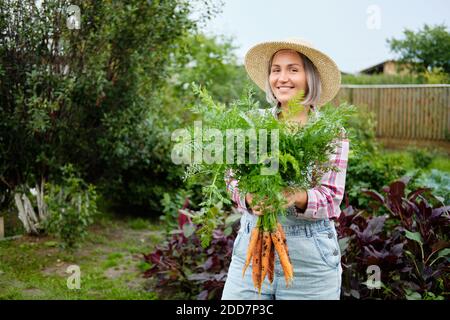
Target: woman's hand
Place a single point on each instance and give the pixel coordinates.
(299, 198)
(256, 209)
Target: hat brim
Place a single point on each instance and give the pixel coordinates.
(257, 66)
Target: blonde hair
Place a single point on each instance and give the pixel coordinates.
(312, 80)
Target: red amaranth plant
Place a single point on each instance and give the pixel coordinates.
(184, 265)
(410, 244)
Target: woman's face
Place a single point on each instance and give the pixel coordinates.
(287, 75)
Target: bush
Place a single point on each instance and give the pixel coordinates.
(135, 149)
(93, 91)
(366, 79)
(422, 158)
(367, 166)
(72, 205)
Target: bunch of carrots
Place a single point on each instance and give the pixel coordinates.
(267, 237)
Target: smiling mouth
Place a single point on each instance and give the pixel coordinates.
(284, 88)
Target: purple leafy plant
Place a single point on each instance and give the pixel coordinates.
(406, 237)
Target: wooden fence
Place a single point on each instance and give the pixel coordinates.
(404, 112)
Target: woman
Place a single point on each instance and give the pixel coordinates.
(282, 69)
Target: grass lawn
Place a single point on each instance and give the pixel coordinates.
(441, 163)
(109, 259)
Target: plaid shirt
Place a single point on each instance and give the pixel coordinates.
(323, 200)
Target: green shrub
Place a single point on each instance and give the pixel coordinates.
(362, 127)
(366, 79)
(91, 96)
(436, 76)
(422, 157)
(371, 172)
(138, 224)
(135, 149)
(367, 166)
(72, 205)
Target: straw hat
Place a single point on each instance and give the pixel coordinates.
(257, 65)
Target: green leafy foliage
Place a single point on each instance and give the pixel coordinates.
(422, 158)
(372, 173)
(438, 181)
(365, 79)
(91, 96)
(72, 205)
(424, 50)
(209, 61)
(368, 167)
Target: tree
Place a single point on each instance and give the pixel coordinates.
(208, 61)
(72, 95)
(426, 50)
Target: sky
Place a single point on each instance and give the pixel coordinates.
(352, 32)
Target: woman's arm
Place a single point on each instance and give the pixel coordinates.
(233, 190)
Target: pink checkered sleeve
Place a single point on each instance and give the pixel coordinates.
(233, 190)
(325, 199)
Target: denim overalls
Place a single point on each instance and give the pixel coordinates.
(315, 256)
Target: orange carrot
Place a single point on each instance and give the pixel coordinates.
(256, 263)
(265, 255)
(251, 248)
(282, 254)
(271, 268)
(283, 237)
